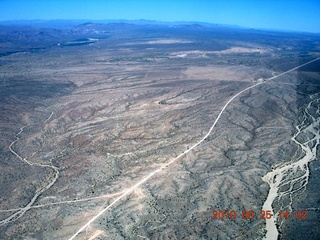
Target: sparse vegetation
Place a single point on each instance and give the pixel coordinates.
(107, 113)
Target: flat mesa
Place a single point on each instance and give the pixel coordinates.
(124, 131)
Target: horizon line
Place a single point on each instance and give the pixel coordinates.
(159, 21)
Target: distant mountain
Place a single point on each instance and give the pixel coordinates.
(89, 27)
(58, 24)
(190, 26)
(101, 28)
(122, 23)
(19, 36)
(85, 23)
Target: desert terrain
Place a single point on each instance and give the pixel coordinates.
(124, 131)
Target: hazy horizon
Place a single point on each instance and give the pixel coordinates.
(288, 15)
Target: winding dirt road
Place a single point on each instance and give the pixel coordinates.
(21, 211)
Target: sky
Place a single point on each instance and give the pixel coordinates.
(296, 15)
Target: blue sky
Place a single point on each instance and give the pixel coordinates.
(297, 15)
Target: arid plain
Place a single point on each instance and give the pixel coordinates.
(151, 128)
